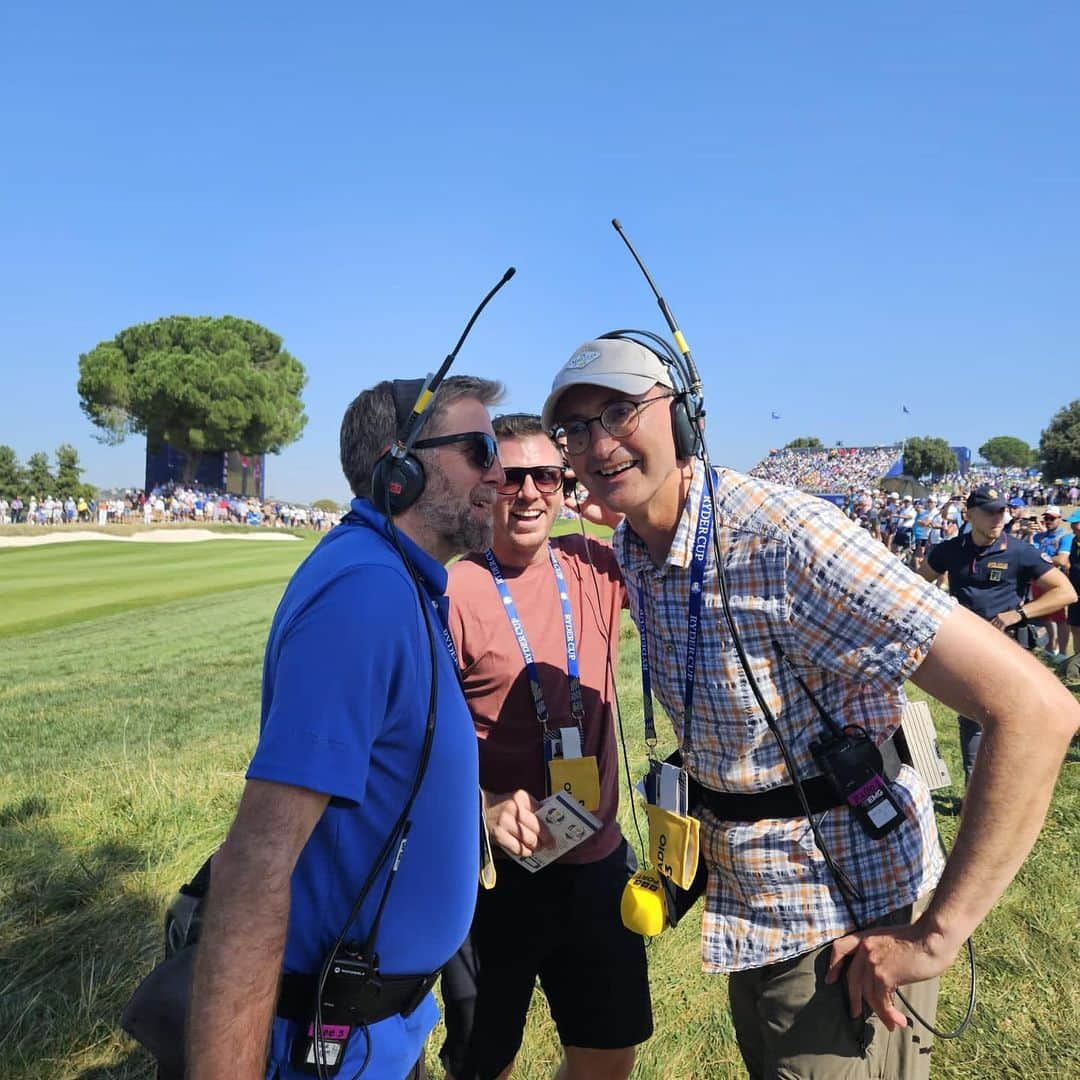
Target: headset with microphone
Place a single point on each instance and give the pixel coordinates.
(398, 479)
(397, 482)
(687, 409)
(643, 907)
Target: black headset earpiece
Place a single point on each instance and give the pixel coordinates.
(397, 482)
(686, 432)
(685, 428)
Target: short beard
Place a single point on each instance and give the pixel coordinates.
(453, 522)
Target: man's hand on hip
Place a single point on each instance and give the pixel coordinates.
(882, 959)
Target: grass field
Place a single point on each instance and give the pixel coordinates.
(129, 684)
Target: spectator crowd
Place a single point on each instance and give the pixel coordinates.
(827, 471)
(167, 504)
(911, 525)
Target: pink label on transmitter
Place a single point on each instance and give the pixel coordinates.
(330, 1031)
(860, 795)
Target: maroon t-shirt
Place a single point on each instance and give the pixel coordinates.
(497, 686)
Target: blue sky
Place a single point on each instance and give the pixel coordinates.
(849, 206)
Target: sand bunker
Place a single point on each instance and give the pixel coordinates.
(147, 536)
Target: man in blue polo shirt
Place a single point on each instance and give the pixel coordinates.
(989, 574)
(1054, 540)
(1068, 558)
(346, 695)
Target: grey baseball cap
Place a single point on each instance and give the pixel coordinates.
(619, 365)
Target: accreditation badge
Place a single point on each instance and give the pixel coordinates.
(674, 844)
(579, 777)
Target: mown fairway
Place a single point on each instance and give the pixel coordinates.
(129, 684)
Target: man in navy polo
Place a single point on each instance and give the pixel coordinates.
(989, 573)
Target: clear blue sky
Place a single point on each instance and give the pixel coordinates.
(849, 206)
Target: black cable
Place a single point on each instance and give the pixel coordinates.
(401, 827)
(610, 670)
(844, 883)
(401, 824)
(689, 389)
(838, 876)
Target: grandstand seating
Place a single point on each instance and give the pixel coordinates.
(830, 470)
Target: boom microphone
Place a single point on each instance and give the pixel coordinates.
(416, 418)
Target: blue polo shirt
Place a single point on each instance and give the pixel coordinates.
(922, 524)
(344, 704)
(992, 579)
(1053, 541)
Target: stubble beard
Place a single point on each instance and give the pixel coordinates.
(455, 522)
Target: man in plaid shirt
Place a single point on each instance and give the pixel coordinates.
(821, 610)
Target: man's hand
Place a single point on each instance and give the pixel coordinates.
(1004, 619)
(590, 510)
(243, 931)
(880, 960)
(512, 822)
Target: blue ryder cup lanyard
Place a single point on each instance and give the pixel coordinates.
(577, 707)
(699, 557)
(442, 609)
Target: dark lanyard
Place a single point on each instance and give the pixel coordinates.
(698, 560)
(577, 706)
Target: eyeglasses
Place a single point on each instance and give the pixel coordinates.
(619, 419)
(480, 446)
(547, 479)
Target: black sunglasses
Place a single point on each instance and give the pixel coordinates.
(479, 445)
(546, 478)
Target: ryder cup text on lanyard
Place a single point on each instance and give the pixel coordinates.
(699, 557)
(577, 705)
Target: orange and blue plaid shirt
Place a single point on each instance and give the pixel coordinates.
(856, 624)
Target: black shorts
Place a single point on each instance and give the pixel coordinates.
(1074, 614)
(563, 925)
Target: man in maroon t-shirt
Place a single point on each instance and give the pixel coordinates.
(561, 923)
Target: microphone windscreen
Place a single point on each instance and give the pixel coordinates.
(642, 906)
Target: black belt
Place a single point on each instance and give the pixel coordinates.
(783, 802)
(377, 999)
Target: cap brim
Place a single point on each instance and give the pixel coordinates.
(619, 381)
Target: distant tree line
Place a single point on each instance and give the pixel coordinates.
(36, 476)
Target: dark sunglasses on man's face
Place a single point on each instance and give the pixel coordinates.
(547, 479)
(479, 445)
